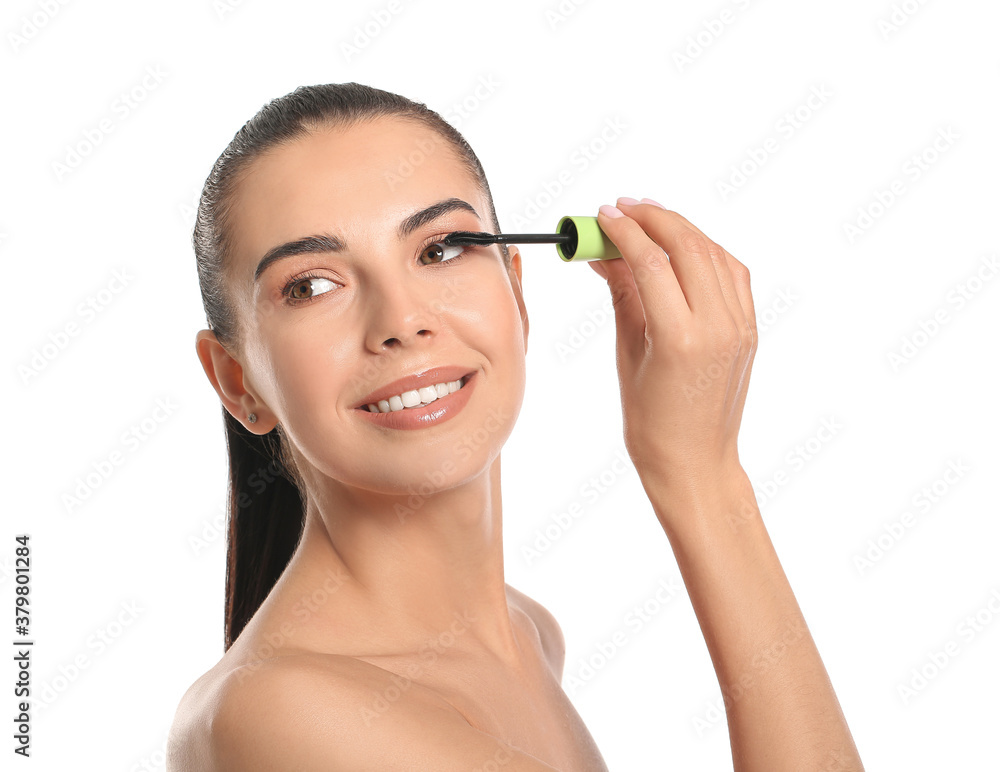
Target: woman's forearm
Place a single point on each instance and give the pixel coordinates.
(781, 708)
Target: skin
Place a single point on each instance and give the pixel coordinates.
(307, 366)
(422, 591)
(684, 311)
(418, 613)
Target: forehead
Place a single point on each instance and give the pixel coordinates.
(355, 182)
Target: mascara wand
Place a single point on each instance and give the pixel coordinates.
(578, 239)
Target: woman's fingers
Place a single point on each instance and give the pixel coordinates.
(695, 258)
(692, 274)
(741, 277)
(630, 317)
(686, 338)
(643, 276)
(727, 278)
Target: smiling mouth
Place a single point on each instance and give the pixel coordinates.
(416, 398)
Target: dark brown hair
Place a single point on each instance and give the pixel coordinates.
(266, 492)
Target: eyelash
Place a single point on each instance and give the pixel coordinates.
(292, 281)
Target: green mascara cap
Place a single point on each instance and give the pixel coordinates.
(587, 242)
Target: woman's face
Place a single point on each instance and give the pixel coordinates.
(382, 306)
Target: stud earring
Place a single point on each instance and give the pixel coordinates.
(252, 418)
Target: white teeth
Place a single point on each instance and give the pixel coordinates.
(415, 398)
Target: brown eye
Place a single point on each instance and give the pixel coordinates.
(437, 250)
(309, 287)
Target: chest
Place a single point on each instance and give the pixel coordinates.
(536, 717)
(528, 710)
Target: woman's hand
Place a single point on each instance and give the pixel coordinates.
(686, 340)
(687, 334)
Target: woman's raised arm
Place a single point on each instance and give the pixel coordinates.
(686, 337)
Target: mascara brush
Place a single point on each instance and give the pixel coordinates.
(578, 239)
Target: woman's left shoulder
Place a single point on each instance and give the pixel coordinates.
(549, 632)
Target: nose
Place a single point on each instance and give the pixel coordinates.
(401, 312)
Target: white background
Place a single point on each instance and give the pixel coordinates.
(529, 90)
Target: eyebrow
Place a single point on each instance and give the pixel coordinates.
(326, 242)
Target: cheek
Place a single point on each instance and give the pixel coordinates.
(303, 368)
(487, 305)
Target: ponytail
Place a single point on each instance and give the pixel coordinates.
(266, 516)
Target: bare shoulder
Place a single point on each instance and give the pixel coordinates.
(331, 713)
(549, 631)
(187, 746)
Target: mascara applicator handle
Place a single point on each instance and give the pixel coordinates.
(586, 240)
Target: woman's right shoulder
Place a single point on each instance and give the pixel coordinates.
(229, 702)
(329, 712)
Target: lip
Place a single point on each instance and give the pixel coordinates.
(438, 411)
(414, 382)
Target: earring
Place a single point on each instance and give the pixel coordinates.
(252, 418)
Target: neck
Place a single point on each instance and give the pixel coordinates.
(408, 570)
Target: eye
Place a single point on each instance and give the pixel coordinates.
(439, 251)
(303, 288)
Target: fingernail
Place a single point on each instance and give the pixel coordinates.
(627, 200)
(609, 211)
(654, 203)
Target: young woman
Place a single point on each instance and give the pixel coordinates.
(368, 624)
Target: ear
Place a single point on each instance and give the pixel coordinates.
(226, 375)
(514, 273)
